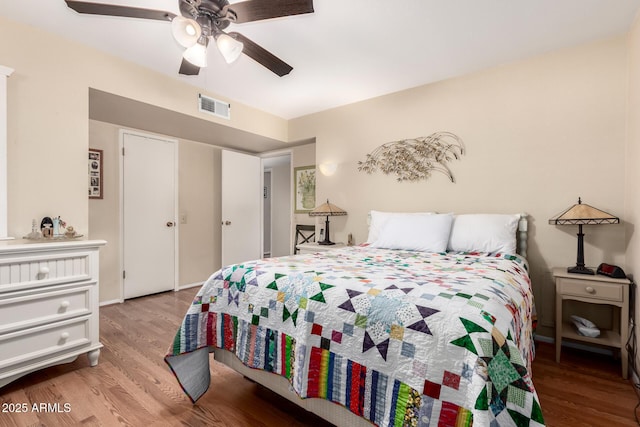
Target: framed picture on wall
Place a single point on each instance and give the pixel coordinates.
(95, 173)
(304, 179)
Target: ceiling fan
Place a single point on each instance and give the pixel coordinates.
(202, 20)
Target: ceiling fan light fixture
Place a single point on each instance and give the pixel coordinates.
(186, 31)
(197, 55)
(230, 48)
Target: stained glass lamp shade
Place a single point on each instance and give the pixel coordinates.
(327, 209)
(582, 214)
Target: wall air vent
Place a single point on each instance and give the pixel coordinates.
(214, 106)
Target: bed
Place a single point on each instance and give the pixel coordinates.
(430, 323)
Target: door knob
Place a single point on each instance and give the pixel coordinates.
(170, 223)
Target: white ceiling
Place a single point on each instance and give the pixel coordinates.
(347, 50)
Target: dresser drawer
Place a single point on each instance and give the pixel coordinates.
(33, 270)
(590, 289)
(36, 343)
(23, 309)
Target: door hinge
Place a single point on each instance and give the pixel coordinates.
(124, 274)
(123, 151)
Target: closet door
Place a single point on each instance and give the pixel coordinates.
(149, 214)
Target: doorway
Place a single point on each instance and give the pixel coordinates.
(277, 219)
(266, 228)
(241, 205)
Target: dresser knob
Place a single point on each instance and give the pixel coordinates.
(43, 271)
(64, 336)
(64, 305)
(590, 290)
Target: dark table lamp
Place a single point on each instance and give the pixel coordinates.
(327, 209)
(581, 214)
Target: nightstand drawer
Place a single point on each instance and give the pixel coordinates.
(36, 343)
(590, 289)
(26, 309)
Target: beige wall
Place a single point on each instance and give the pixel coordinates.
(199, 199)
(104, 214)
(632, 202)
(539, 133)
(48, 124)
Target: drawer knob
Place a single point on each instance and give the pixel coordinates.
(64, 305)
(590, 290)
(43, 271)
(64, 336)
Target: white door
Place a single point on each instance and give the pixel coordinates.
(241, 207)
(149, 206)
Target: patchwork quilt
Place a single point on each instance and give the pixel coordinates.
(401, 338)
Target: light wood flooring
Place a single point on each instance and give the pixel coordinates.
(132, 386)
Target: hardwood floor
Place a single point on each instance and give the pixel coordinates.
(132, 386)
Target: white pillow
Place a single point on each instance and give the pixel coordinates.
(378, 219)
(427, 233)
(484, 233)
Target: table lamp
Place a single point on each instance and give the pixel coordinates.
(327, 209)
(582, 214)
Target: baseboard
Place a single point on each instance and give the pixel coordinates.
(578, 346)
(111, 302)
(190, 285)
(120, 301)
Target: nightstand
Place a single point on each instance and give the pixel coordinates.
(593, 289)
(313, 247)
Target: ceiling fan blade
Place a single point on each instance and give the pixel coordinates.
(262, 56)
(188, 69)
(256, 10)
(115, 10)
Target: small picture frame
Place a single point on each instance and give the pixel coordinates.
(95, 173)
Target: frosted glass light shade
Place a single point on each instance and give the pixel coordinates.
(186, 31)
(197, 55)
(328, 169)
(229, 47)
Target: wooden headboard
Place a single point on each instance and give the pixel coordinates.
(521, 238)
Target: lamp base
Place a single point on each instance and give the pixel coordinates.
(580, 270)
(326, 240)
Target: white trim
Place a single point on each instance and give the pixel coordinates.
(121, 210)
(190, 285)
(111, 302)
(176, 216)
(261, 166)
(5, 72)
(270, 251)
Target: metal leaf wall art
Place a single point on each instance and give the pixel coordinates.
(417, 158)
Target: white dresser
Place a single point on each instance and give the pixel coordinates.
(48, 304)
